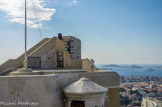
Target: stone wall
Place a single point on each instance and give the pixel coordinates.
(86, 65)
(48, 53)
(77, 49)
(48, 61)
(16, 63)
(69, 59)
(46, 90)
(114, 98)
(46, 50)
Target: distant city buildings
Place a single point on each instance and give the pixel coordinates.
(152, 102)
(134, 90)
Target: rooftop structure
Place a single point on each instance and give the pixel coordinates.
(85, 93)
(84, 86)
(51, 53)
(56, 64)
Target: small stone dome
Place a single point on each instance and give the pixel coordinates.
(84, 86)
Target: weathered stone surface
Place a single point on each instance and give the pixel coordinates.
(46, 90)
(17, 63)
(48, 61)
(114, 98)
(87, 91)
(84, 86)
(47, 50)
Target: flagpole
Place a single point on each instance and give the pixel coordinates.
(25, 61)
(25, 64)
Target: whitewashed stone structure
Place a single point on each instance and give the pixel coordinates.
(85, 93)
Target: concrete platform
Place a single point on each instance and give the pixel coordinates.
(47, 72)
(58, 71)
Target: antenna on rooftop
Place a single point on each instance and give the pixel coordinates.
(25, 64)
(25, 61)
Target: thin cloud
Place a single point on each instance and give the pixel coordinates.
(64, 2)
(15, 11)
(73, 2)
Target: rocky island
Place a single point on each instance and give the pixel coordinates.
(159, 67)
(123, 66)
(149, 69)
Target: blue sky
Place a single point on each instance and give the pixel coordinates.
(112, 31)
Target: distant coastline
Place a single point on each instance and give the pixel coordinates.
(133, 70)
(158, 67)
(115, 65)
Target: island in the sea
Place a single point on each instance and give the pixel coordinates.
(158, 67)
(111, 65)
(149, 69)
(123, 66)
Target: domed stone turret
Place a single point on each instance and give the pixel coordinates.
(84, 86)
(86, 93)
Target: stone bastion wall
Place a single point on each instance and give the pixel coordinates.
(46, 90)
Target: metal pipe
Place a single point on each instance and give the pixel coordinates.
(25, 62)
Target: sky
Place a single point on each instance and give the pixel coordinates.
(111, 31)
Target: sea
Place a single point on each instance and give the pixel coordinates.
(124, 70)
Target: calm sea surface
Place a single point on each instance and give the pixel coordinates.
(126, 71)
